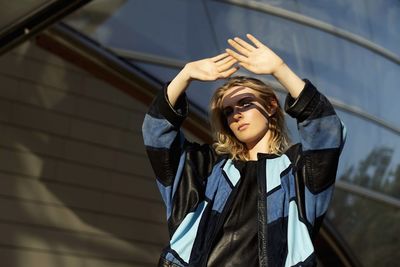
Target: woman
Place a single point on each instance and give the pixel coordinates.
(251, 199)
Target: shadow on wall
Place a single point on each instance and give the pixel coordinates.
(67, 199)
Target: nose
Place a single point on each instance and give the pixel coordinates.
(237, 113)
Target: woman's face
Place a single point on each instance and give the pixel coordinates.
(245, 115)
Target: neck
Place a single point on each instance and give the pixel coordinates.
(259, 146)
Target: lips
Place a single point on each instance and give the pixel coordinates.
(242, 126)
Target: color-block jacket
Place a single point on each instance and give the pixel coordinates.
(197, 186)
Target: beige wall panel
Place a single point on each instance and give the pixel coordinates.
(82, 198)
(5, 110)
(20, 257)
(135, 121)
(134, 208)
(20, 138)
(133, 186)
(40, 119)
(76, 187)
(51, 75)
(118, 184)
(58, 217)
(43, 191)
(104, 112)
(9, 88)
(18, 212)
(45, 97)
(83, 133)
(26, 257)
(141, 165)
(20, 162)
(62, 242)
(95, 133)
(89, 154)
(100, 90)
(133, 142)
(83, 175)
(13, 65)
(29, 51)
(87, 176)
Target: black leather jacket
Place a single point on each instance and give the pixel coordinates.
(197, 186)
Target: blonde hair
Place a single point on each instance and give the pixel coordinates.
(225, 141)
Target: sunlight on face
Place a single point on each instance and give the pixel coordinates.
(245, 115)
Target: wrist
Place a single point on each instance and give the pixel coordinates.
(279, 70)
(185, 75)
(289, 80)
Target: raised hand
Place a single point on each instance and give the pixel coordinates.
(210, 69)
(255, 57)
(259, 59)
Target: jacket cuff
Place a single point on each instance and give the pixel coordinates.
(298, 107)
(175, 115)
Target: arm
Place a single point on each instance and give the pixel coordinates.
(319, 127)
(259, 59)
(161, 127)
(209, 69)
(322, 133)
(322, 136)
(180, 182)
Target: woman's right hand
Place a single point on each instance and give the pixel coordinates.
(211, 69)
(208, 69)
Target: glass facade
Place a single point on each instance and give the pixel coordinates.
(348, 72)
(374, 20)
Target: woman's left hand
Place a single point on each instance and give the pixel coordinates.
(257, 58)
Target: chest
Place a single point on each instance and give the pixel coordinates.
(271, 182)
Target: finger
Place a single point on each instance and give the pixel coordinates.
(223, 61)
(254, 40)
(227, 65)
(229, 72)
(246, 66)
(219, 57)
(245, 44)
(238, 47)
(237, 56)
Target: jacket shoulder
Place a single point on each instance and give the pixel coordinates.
(294, 152)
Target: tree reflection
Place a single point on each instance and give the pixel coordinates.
(374, 172)
(370, 227)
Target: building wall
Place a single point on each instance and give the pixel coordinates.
(76, 188)
(362, 81)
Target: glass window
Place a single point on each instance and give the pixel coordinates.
(371, 228)
(374, 20)
(342, 70)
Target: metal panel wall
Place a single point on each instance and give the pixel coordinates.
(76, 188)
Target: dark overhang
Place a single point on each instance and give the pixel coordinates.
(21, 20)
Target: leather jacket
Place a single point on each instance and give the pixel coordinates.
(197, 185)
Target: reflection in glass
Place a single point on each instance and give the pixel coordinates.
(340, 69)
(371, 228)
(366, 18)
